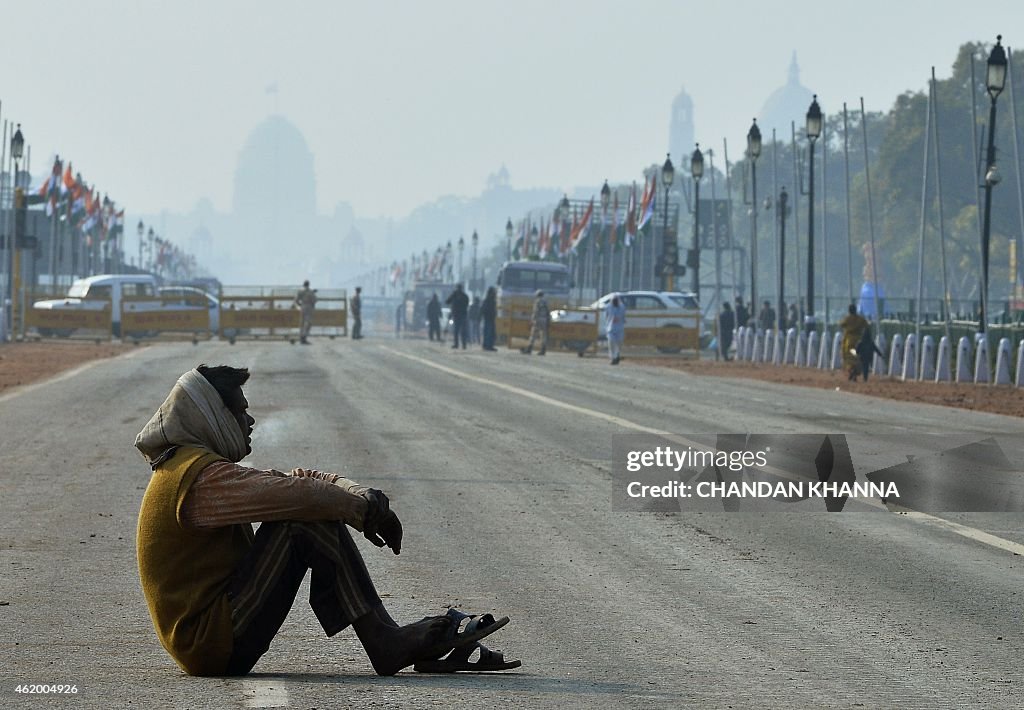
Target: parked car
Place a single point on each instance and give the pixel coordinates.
(96, 293)
(670, 309)
(186, 297)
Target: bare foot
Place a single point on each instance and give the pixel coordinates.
(392, 648)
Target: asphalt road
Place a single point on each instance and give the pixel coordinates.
(500, 467)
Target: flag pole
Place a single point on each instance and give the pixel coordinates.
(871, 216)
(948, 319)
(849, 215)
(926, 143)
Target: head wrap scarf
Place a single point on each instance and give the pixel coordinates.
(192, 415)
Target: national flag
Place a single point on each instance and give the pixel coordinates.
(579, 232)
(69, 180)
(542, 241)
(647, 202)
(631, 229)
(518, 250)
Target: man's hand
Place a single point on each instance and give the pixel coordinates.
(381, 526)
(388, 532)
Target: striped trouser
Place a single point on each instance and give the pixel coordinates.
(264, 585)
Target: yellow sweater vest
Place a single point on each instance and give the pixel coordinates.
(185, 572)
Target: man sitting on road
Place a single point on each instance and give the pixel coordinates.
(218, 593)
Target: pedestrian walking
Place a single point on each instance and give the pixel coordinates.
(489, 315)
(615, 327)
(539, 321)
(399, 319)
(853, 326)
(357, 314)
(434, 319)
(305, 300)
(726, 324)
(458, 301)
(866, 350)
(218, 593)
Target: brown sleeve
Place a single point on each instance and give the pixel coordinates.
(225, 493)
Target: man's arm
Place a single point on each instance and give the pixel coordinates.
(225, 493)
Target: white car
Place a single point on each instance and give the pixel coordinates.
(662, 309)
(99, 292)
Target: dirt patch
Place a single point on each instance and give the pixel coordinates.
(982, 398)
(25, 363)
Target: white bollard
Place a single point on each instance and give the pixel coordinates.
(790, 352)
(823, 357)
(757, 353)
(779, 351)
(943, 373)
(769, 341)
(1019, 379)
(752, 344)
(963, 360)
(927, 369)
(896, 356)
(739, 336)
(981, 368)
(909, 359)
(1003, 363)
(878, 361)
(812, 349)
(837, 351)
(800, 359)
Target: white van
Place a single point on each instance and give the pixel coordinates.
(95, 292)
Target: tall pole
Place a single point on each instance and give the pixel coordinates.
(871, 214)
(924, 207)
(783, 208)
(849, 213)
(667, 278)
(753, 153)
(995, 79)
(1015, 274)
(809, 320)
(696, 237)
(991, 179)
(948, 319)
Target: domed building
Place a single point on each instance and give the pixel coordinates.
(786, 105)
(275, 186)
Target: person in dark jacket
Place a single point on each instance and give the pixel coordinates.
(742, 314)
(474, 320)
(434, 319)
(866, 350)
(489, 314)
(726, 323)
(458, 301)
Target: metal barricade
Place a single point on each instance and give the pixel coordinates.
(270, 312)
(91, 321)
(165, 317)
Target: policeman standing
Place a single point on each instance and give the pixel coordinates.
(306, 301)
(538, 325)
(357, 314)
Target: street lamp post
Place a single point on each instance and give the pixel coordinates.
(697, 171)
(813, 131)
(141, 230)
(669, 246)
(475, 239)
(509, 231)
(994, 81)
(462, 246)
(17, 150)
(151, 237)
(783, 210)
(753, 153)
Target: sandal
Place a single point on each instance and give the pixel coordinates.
(477, 627)
(458, 660)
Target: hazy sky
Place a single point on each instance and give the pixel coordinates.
(401, 102)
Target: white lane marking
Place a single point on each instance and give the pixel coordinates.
(264, 694)
(922, 518)
(67, 374)
(968, 532)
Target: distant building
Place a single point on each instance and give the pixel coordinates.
(785, 106)
(681, 130)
